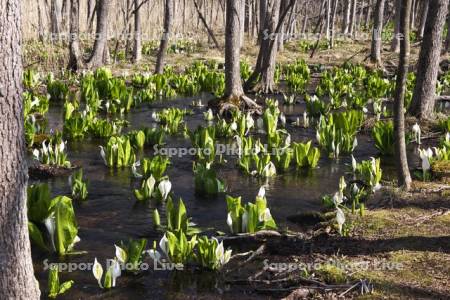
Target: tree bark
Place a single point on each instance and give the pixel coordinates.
(423, 18)
(168, 19)
(395, 45)
(347, 13)
(403, 175)
(55, 18)
(447, 38)
(262, 16)
(16, 267)
(352, 25)
(375, 54)
(137, 49)
(97, 58)
(333, 22)
(75, 58)
(265, 64)
(233, 84)
(423, 101)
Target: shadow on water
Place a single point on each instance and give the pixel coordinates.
(111, 213)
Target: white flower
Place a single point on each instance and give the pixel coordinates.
(265, 216)
(355, 143)
(354, 164)
(340, 219)
(233, 126)
(342, 184)
(154, 254)
(305, 119)
(209, 116)
(261, 192)
(244, 221)
(51, 227)
(230, 222)
(364, 110)
(36, 154)
(115, 271)
(164, 187)
(75, 240)
(134, 169)
(97, 270)
(269, 170)
(121, 254)
(338, 198)
(249, 121)
(61, 147)
(417, 133)
(318, 136)
(426, 155)
(163, 245)
(103, 155)
(283, 119)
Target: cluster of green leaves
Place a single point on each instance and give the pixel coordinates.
(383, 134)
(55, 216)
(118, 152)
(154, 182)
(55, 288)
(52, 152)
(337, 133)
(206, 181)
(78, 185)
(171, 119)
(297, 76)
(251, 217)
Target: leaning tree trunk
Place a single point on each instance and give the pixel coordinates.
(137, 49)
(16, 268)
(403, 175)
(395, 45)
(97, 58)
(346, 20)
(375, 54)
(168, 19)
(75, 58)
(233, 84)
(423, 101)
(423, 18)
(447, 38)
(265, 64)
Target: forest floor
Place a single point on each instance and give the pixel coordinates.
(401, 246)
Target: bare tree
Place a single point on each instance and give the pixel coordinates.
(423, 18)
(395, 45)
(423, 101)
(233, 83)
(347, 13)
(375, 54)
(168, 20)
(100, 53)
(403, 175)
(16, 267)
(75, 58)
(137, 48)
(265, 64)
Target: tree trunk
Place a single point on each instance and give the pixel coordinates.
(16, 267)
(55, 20)
(168, 19)
(265, 64)
(447, 38)
(333, 21)
(423, 101)
(101, 32)
(352, 18)
(395, 45)
(242, 22)
(137, 49)
(347, 13)
(75, 59)
(375, 54)
(233, 84)
(403, 175)
(262, 16)
(423, 18)
(369, 14)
